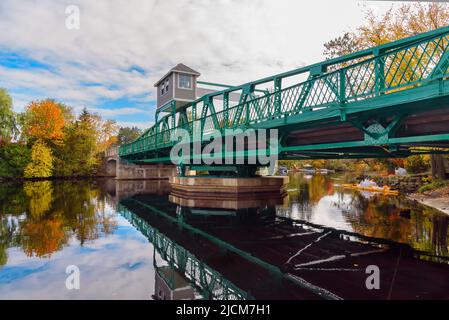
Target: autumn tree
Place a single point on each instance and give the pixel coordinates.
(128, 134)
(41, 164)
(45, 121)
(396, 23)
(107, 136)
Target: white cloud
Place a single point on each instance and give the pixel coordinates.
(117, 112)
(228, 41)
(141, 125)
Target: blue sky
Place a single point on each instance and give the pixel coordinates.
(122, 47)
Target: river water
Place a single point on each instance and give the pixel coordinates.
(130, 240)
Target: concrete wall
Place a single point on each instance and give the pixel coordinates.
(153, 171)
(115, 167)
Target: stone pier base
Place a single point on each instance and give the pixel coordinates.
(227, 188)
(226, 203)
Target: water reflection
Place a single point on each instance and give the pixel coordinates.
(46, 226)
(192, 251)
(320, 199)
(181, 271)
(41, 218)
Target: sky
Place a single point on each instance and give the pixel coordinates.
(122, 47)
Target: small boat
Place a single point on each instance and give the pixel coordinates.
(385, 189)
(308, 168)
(283, 170)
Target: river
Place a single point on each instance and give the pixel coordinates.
(130, 240)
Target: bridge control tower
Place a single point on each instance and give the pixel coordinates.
(178, 85)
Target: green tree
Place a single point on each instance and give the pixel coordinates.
(8, 125)
(78, 155)
(13, 159)
(128, 134)
(41, 164)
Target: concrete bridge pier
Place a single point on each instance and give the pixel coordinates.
(123, 170)
(224, 187)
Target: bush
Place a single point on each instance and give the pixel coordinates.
(417, 163)
(13, 159)
(433, 185)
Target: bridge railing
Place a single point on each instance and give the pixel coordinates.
(335, 83)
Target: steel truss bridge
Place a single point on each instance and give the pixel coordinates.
(387, 101)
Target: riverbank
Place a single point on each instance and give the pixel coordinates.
(416, 188)
(438, 199)
(22, 179)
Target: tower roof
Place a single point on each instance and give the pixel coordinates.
(181, 68)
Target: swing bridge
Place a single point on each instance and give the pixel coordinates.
(387, 101)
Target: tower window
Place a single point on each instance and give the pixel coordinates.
(185, 81)
(164, 87)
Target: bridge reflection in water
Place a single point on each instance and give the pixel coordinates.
(254, 253)
(183, 267)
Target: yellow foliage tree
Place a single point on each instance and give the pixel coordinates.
(41, 164)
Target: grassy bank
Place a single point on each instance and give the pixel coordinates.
(439, 186)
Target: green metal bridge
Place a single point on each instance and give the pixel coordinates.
(387, 101)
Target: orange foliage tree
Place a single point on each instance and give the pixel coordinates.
(45, 120)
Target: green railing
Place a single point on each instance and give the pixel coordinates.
(336, 84)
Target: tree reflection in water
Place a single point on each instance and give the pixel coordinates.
(375, 215)
(42, 217)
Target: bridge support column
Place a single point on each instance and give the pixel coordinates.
(226, 192)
